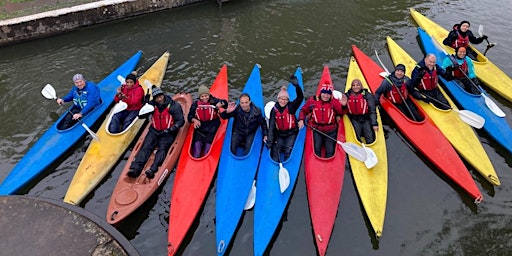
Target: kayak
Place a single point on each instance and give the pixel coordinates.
(102, 155)
(129, 193)
(270, 202)
(497, 127)
(486, 71)
(324, 181)
(55, 142)
(233, 183)
(435, 146)
(194, 175)
(462, 137)
(371, 184)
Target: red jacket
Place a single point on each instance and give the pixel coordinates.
(132, 96)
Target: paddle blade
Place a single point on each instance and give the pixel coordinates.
(251, 199)
(371, 158)
(284, 178)
(354, 150)
(49, 92)
(120, 106)
(268, 108)
(147, 108)
(93, 134)
(471, 118)
(121, 79)
(493, 107)
(384, 74)
(337, 94)
(480, 30)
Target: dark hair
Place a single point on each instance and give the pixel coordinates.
(245, 94)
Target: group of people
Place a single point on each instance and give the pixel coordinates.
(323, 111)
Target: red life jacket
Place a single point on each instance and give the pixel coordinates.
(394, 96)
(461, 41)
(429, 81)
(457, 73)
(323, 113)
(206, 111)
(162, 120)
(357, 104)
(285, 120)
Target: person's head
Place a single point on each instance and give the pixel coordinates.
(158, 94)
(130, 80)
(283, 97)
(204, 93)
(79, 81)
(245, 102)
(464, 26)
(326, 91)
(430, 61)
(460, 52)
(356, 85)
(400, 71)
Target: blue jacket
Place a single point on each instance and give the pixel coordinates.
(86, 99)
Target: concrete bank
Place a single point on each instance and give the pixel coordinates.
(59, 21)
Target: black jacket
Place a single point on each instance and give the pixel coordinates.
(175, 111)
(247, 123)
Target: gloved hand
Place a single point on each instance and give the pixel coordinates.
(484, 37)
(294, 81)
(269, 144)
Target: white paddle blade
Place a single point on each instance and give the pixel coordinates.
(148, 84)
(251, 199)
(354, 150)
(49, 92)
(471, 118)
(371, 158)
(121, 79)
(384, 74)
(337, 94)
(93, 134)
(120, 106)
(480, 30)
(268, 108)
(147, 108)
(493, 107)
(284, 178)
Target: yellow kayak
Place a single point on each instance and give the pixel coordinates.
(101, 155)
(486, 71)
(461, 135)
(371, 184)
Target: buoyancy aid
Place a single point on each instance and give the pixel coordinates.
(457, 73)
(205, 111)
(357, 104)
(162, 119)
(461, 41)
(429, 81)
(323, 113)
(284, 120)
(394, 94)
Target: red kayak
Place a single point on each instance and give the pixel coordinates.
(324, 181)
(131, 193)
(194, 175)
(424, 135)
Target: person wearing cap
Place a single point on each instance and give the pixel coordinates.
(394, 88)
(85, 96)
(360, 107)
(324, 111)
(165, 122)
(247, 118)
(424, 82)
(132, 94)
(462, 36)
(282, 126)
(204, 115)
(462, 69)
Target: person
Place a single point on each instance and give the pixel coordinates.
(85, 96)
(204, 115)
(395, 89)
(132, 94)
(248, 117)
(360, 107)
(166, 120)
(462, 70)
(323, 110)
(424, 82)
(462, 36)
(282, 127)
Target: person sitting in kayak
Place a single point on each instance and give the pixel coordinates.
(132, 94)
(360, 107)
(204, 115)
(85, 96)
(424, 82)
(323, 110)
(395, 89)
(462, 69)
(166, 120)
(248, 117)
(462, 36)
(282, 126)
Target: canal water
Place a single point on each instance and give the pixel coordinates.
(426, 214)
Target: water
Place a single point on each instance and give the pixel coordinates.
(426, 214)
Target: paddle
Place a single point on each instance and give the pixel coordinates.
(489, 45)
(251, 199)
(386, 74)
(49, 92)
(488, 102)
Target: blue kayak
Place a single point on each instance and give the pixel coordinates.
(270, 202)
(54, 142)
(236, 173)
(497, 127)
